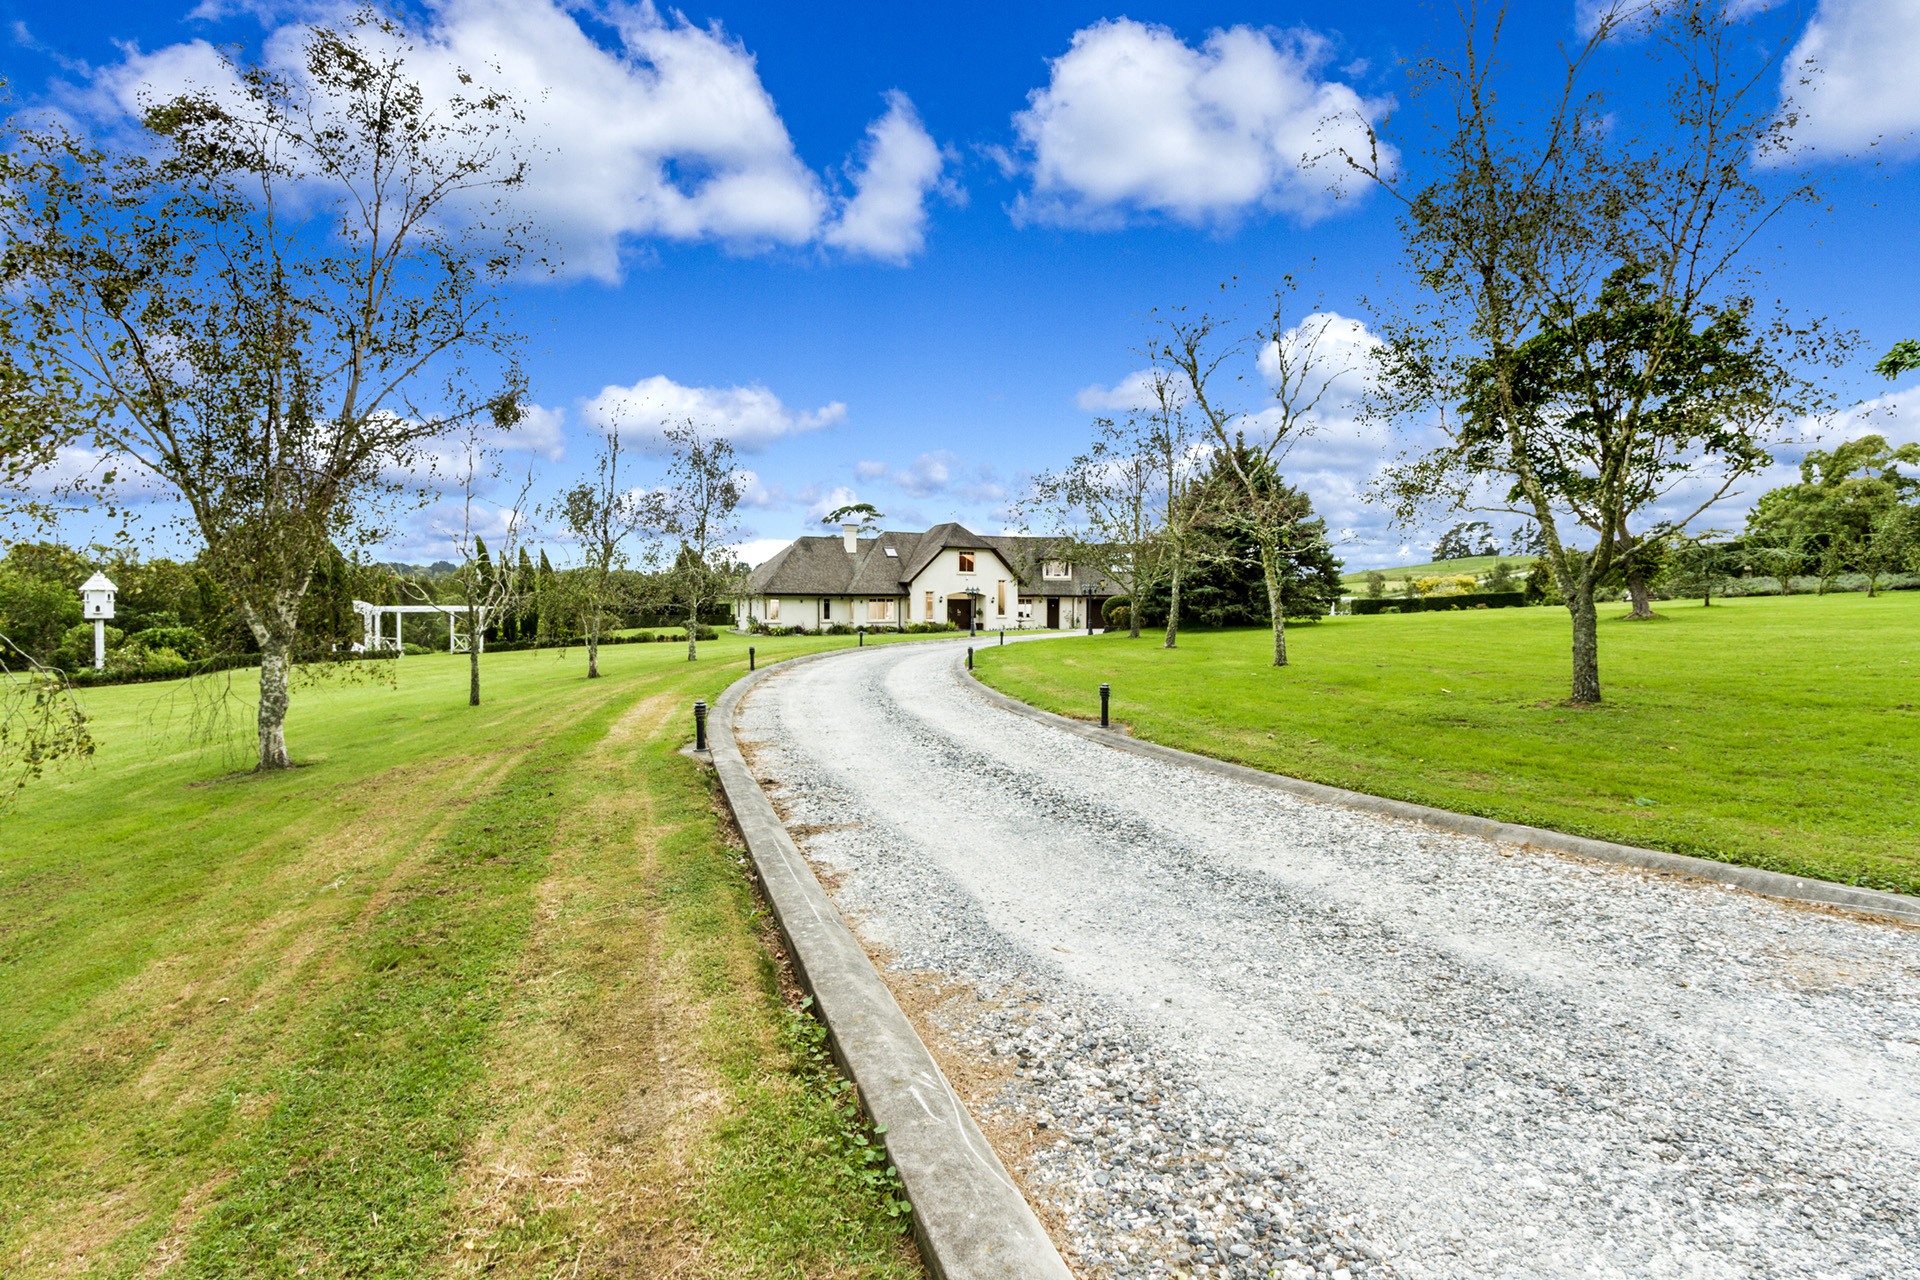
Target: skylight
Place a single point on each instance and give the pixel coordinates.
(893, 553)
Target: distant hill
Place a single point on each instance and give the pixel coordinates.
(1476, 565)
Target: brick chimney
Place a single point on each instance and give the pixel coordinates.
(850, 537)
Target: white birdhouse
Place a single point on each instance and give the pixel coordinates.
(96, 598)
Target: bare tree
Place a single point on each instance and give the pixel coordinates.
(693, 514)
(1585, 292)
(270, 298)
(1174, 462)
(601, 514)
(1302, 374)
(1103, 508)
(487, 581)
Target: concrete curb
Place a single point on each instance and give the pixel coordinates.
(1772, 884)
(970, 1219)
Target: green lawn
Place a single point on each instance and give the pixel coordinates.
(1477, 565)
(473, 990)
(1776, 732)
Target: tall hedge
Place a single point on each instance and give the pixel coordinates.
(1434, 604)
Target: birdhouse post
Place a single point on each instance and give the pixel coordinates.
(96, 605)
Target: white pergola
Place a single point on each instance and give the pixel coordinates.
(373, 619)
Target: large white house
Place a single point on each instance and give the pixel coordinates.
(947, 574)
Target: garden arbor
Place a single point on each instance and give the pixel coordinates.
(373, 617)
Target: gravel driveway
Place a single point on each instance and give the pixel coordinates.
(1249, 1034)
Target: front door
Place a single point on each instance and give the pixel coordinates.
(960, 612)
(1053, 613)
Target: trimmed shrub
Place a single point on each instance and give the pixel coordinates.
(184, 641)
(1434, 604)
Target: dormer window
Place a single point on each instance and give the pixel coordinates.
(1056, 569)
(966, 562)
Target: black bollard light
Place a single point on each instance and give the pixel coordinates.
(862, 641)
(969, 657)
(1003, 635)
(749, 657)
(1104, 692)
(699, 724)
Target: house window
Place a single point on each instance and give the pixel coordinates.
(1026, 608)
(773, 609)
(929, 613)
(1056, 569)
(966, 562)
(1003, 596)
(826, 608)
(879, 611)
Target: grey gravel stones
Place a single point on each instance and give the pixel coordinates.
(1255, 1035)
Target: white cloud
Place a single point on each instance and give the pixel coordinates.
(760, 550)
(1136, 122)
(80, 468)
(670, 135)
(1858, 58)
(436, 532)
(939, 472)
(1133, 392)
(900, 164)
(835, 498)
(539, 432)
(755, 492)
(750, 417)
(1334, 346)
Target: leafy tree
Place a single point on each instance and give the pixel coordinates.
(34, 613)
(1700, 566)
(1470, 538)
(1844, 512)
(1376, 584)
(1500, 577)
(1892, 544)
(1585, 297)
(1227, 585)
(1902, 357)
(270, 296)
(863, 514)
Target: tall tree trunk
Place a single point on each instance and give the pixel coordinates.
(1270, 564)
(274, 650)
(1636, 573)
(273, 630)
(693, 630)
(1637, 592)
(1586, 642)
(473, 656)
(1173, 608)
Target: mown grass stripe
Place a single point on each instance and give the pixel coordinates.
(351, 1170)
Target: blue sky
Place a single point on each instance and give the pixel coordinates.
(905, 253)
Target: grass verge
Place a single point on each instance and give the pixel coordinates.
(476, 989)
(1774, 732)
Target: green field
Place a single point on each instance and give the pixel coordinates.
(1476, 565)
(472, 990)
(1776, 732)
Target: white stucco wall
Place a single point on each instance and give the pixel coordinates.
(943, 577)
